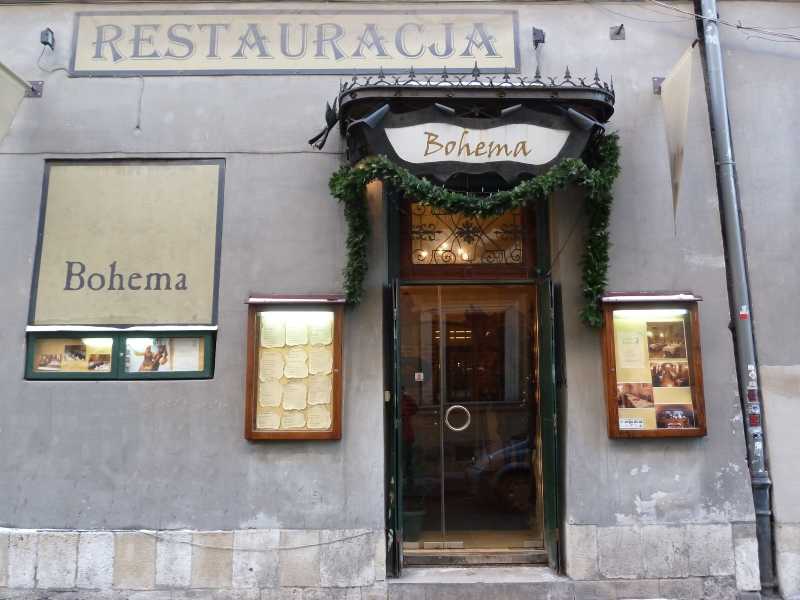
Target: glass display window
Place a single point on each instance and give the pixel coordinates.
(654, 379)
(294, 371)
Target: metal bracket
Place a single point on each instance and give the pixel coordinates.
(35, 89)
(657, 81)
(616, 32)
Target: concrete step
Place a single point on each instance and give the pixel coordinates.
(480, 583)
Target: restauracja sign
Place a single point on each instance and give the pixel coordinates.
(298, 41)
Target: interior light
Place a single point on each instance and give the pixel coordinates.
(650, 313)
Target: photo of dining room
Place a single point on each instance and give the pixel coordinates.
(666, 339)
(669, 374)
(635, 395)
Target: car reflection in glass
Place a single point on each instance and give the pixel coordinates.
(504, 476)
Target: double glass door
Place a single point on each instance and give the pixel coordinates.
(469, 417)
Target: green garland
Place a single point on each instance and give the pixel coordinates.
(595, 173)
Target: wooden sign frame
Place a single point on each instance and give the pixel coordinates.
(669, 417)
(266, 303)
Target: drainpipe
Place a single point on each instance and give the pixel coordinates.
(738, 282)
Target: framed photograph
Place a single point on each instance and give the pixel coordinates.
(652, 365)
(293, 382)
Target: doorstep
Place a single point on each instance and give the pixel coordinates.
(480, 583)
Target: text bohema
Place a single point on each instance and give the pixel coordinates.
(111, 280)
(291, 40)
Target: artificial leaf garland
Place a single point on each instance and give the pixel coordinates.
(595, 173)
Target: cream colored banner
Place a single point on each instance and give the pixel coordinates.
(128, 244)
(293, 41)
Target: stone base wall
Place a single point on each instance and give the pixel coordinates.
(258, 564)
(787, 559)
(685, 551)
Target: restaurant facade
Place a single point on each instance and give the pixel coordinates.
(371, 300)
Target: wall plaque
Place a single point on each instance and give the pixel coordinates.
(128, 243)
(204, 42)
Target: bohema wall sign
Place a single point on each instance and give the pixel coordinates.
(294, 368)
(652, 365)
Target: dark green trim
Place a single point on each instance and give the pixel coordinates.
(548, 409)
(117, 372)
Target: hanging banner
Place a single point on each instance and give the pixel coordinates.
(675, 92)
(242, 42)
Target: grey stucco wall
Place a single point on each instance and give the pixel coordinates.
(172, 454)
(169, 455)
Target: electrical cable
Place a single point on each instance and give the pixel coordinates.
(45, 69)
(754, 28)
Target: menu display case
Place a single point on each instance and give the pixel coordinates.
(652, 365)
(294, 384)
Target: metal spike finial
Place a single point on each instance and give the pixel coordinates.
(537, 76)
(444, 73)
(596, 75)
(381, 75)
(612, 83)
(567, 74)
(411, 74)
(476, 72)
(506, 76)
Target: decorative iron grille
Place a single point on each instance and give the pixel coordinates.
(442, 238)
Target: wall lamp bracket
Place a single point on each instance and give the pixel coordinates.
(657, 81)
(48, 38)
(34, 89)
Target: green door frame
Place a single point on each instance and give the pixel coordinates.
(548, 397)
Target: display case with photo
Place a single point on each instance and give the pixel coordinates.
(293, 386)
(653, 372)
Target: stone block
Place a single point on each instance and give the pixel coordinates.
(719, 588)
(95, 560)
(637, 588)
(620, 552)
(255, 558)
(665, 552)
(3, 559)
(380, 556)
(134, 561)
(787, 559)
(346, 558)
(745, 552)
(378, 591)
(299, 558)
(57, 560)
(174, 559)
(22, 551)
(690, 588)
(212, 560)
(710, 549)
(581, 551)
(596, 590)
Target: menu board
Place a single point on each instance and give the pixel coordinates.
(295, 374)
(654, 385)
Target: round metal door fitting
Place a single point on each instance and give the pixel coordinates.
(447, 418)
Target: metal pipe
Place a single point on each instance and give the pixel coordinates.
(738, 282)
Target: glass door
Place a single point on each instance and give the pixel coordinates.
(469, 417)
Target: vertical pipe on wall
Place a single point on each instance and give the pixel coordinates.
(738, 281)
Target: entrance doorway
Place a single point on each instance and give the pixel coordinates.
(469, 411)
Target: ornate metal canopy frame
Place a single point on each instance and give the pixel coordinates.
(366, 105)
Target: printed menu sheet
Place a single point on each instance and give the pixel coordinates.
(295, 371)
(653, 374)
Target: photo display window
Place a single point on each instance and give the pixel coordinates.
(294, 372)
(653, 370)
(115, 355)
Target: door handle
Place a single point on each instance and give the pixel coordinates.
(447, 418)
